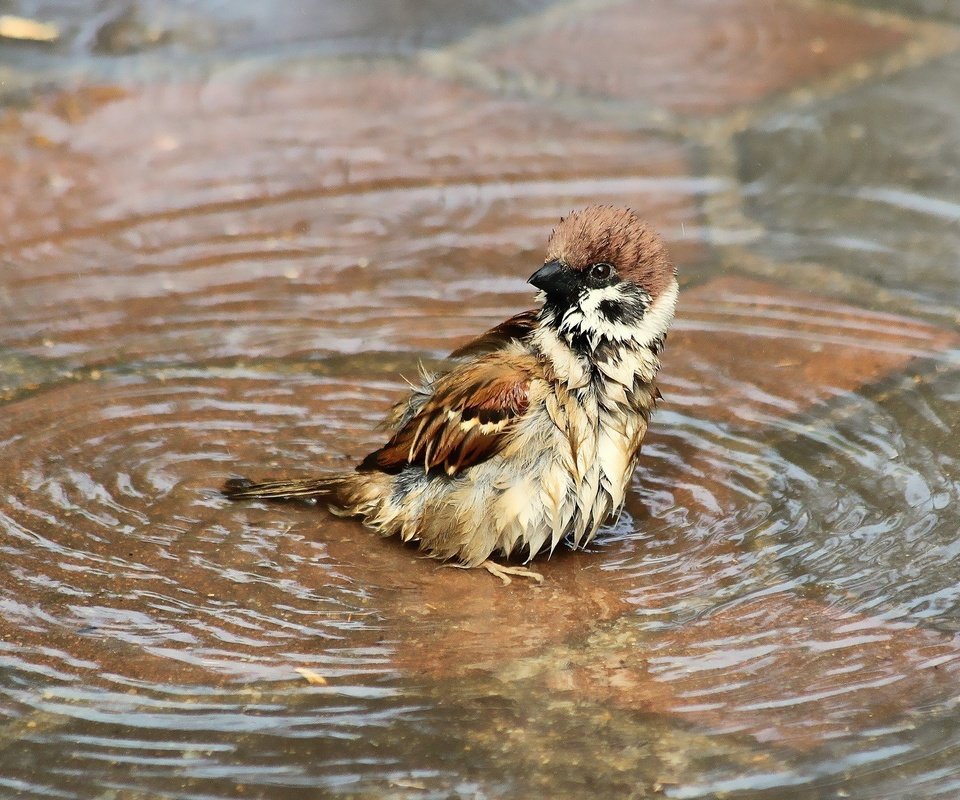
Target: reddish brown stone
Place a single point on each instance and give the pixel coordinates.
(691, 56)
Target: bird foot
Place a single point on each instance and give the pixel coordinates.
(503, 572)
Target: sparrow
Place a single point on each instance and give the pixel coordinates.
(532, 438)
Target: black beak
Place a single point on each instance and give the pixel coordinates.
(557, 280)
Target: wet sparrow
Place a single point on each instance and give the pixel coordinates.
(534, 435)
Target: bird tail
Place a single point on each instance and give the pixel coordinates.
(293, 489)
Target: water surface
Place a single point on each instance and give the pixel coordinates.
(229, 264)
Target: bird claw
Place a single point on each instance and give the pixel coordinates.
(503, 572)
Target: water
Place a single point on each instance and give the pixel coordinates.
(221, 253)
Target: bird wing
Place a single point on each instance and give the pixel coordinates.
(518, 327)
(465, 421)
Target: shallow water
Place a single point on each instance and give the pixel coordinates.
(222, 252)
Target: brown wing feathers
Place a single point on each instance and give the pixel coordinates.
(465, 421)
(518, 327)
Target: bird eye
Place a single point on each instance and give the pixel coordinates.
(600, 272)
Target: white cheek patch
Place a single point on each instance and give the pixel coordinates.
(657, 320)
(586, 317)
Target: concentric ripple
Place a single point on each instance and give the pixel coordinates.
(118, 545)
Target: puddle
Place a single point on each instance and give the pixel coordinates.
(231, 276)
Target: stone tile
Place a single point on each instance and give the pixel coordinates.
(866, 183)
(788, 651)
(382, 203)
(693, 57)
(120, 563)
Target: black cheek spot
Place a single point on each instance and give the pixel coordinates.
(629, 310)
(611, 310)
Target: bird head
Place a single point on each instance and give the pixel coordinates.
(607, 276)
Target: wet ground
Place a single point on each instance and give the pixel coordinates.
(226, 232)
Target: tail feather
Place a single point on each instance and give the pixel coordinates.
(294, 489)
